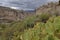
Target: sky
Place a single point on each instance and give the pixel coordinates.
(24, 4)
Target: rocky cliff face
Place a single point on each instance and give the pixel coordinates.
(49, 8)
(9, 15)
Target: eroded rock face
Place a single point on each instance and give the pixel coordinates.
(9, 15)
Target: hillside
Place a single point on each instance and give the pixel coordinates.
(9, 15)
(51, 8)
(45, 25)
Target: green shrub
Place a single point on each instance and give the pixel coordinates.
(38, 27)
(44, 31)
(44, 17)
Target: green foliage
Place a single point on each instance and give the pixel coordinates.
(32, 28)
(44, 17)
(47, 31)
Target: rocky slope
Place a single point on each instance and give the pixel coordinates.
(51, 8)
(9, 15)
